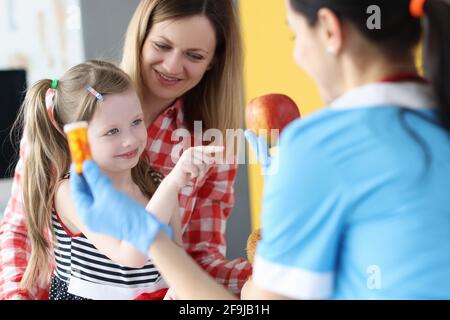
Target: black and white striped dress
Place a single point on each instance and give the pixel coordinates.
(82, 272)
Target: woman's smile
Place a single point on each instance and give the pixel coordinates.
(167, 80)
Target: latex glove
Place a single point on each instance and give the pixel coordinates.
(106, 210)
(194, 163)
(261, 148)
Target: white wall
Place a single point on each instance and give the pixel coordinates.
(5, 190)
(43, 37)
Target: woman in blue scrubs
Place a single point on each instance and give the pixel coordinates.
(358, 207)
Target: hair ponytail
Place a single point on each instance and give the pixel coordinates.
(436, 58)
(45, 147)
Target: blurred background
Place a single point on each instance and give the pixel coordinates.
(42, 39)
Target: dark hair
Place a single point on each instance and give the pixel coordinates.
(436, 58)
(399, 34)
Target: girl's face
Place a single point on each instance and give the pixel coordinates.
(117, 134)
(176, 55)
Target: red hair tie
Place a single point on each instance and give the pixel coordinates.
(416, 8)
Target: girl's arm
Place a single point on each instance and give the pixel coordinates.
(193, 164)
(175, 223)
(164, 202)
(118, 251)
(166, 208)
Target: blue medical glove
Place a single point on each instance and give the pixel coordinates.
(260, 146)
(104, 209)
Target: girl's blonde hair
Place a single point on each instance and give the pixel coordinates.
(217, 100)
(48, 159)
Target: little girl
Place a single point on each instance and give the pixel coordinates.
(89, 265)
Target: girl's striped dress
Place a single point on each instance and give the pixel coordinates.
(82, 272)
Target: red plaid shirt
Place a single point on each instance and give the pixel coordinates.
(205, 206)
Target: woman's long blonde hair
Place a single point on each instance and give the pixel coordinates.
(48, 158)
(217, 100)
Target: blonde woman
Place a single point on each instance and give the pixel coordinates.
(185, 59)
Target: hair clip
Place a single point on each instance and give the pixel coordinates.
(95, 93)
(55, 83)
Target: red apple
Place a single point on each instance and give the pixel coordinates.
(271, 111)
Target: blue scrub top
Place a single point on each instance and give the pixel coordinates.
(358, 202)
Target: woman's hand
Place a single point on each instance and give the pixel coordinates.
(193, 164)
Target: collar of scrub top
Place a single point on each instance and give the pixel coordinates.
(410, 93)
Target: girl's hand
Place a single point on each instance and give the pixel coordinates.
(193, 164)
